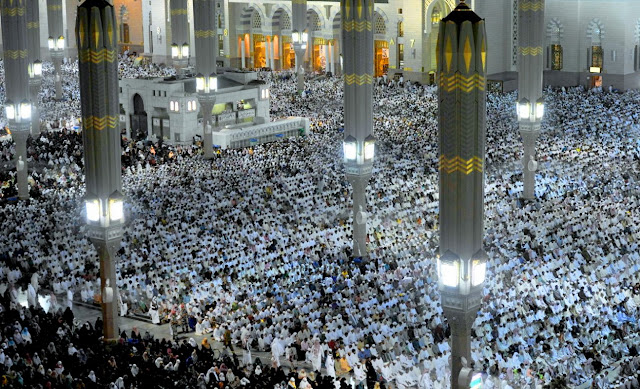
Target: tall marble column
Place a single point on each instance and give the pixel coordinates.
(56, 41)
(16, 83)
(462, 54)
(98, 71)
(35, 64)
(530, 104)
(359, 143)
(299, 13)
(206, 79)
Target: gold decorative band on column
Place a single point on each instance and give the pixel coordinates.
(13, 11)
(465, 84)
(286, 39)
(88, 55)
(534, 6)
(204, 33)
(358, 79)
(319, 41)
(179, 11)
(457, 164)
(97, 123)
(533, 51)
(31, 25)
(55, 7)
(298, 1)
(360, 26)
(15, 54)
(258, 38)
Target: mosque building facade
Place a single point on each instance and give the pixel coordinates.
(587, 42)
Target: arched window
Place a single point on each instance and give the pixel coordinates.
(380, 26)
(256, 21)
(555, 31)
(595, 32)
(400, 28)
(436, 15)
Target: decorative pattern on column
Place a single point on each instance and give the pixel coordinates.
(98, 72)
(14, 36)
(530, 104)
(359, 143)
(206, 79)
(461, 53)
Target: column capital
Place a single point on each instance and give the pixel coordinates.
(357, 172)
(106, 237)
(207, 98)
(530, 134)
(20, 130)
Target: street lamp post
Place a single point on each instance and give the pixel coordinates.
(180, 57)
(35, 65)
(358, 162)
(56, 40)
(56, 49)
(19, 117)
(300, 41)
(179, 16)
(299, 37)
(35, 83)
(16, 84)
(359, 143)
(530, 106)
(462, 137)
(98, 71)
(460, 282)
(206, 41)
(207, 88)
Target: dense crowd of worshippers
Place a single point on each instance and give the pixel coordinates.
(252, 250)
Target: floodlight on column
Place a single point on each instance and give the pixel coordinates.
(295, 37)
(185, 50)
(10, 110)
(60, 43)
(305, 39)
(539, 108)
(175, 52)
(350, 148)
(524, 109)
(213, 82)
(92, 206)
(25, 110)
(116, 207)
(52, 43)
(37, 68)
(449, 269)
(478, 267)
(369, 148)
(200, 83)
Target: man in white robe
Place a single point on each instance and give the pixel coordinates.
(277, 350)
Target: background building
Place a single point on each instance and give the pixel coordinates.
(587, 42)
